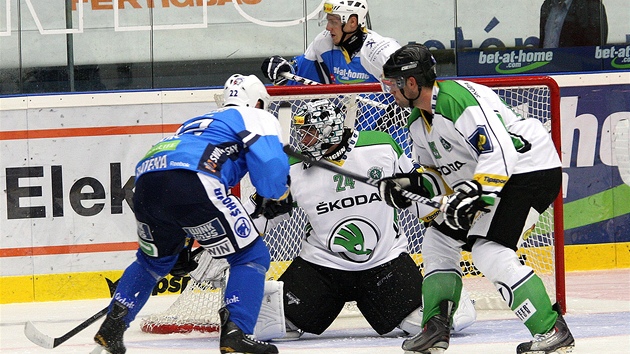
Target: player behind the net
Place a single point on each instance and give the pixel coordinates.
(353, 248)
(181, 191)
(346, 52)
(504, 171)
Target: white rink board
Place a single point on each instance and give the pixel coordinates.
(83, 165)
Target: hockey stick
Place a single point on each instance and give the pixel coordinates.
(306, 81)
(48, 342)
(372, 182)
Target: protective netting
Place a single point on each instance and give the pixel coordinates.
(377, 111)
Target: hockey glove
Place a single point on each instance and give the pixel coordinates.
(186, 262)
(270, 208)
(391, 188)
(273, 68)
(461, 207)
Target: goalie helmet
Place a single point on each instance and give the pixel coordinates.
(245, 91)
(410, 60)
(345, 8)
(317, 126)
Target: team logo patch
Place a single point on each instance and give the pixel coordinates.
(375, 172)
(434, 150)
(447, 146)
(242, 227)
(354, 239)
(479, 140)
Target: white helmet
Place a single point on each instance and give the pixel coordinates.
(245, 91)
(319, 123)
(345, 8)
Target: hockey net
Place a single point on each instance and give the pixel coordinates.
(368, 108)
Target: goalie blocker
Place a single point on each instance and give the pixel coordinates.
(312, 297)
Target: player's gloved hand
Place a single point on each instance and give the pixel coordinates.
(270, 208)
(391, 188)
(186, 262)
(273, 68)
(461, 207)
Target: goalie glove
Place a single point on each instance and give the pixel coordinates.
(391, 188)
(270, 208)
(186, 262)
(273, 68)
(461, 207)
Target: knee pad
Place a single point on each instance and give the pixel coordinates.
(440, 252)
(256, 253)
(499, 264)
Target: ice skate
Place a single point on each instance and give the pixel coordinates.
(233, 340)
(558, 340)
(435, 335)
(110, 336)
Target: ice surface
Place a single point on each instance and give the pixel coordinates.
(598, 315)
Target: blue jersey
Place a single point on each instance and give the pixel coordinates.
(327, 63)
(226, 144)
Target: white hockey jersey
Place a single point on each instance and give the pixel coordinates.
(350, 227)
(473, 134)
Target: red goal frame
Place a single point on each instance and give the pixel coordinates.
(502, 81)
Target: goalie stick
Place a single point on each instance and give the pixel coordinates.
(48, 342)
(372, 182)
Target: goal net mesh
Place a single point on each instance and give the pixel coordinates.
(367, 109)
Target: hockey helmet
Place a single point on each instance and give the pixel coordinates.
(245, 91)
(410, 60)
(317, 126)
(345, 8)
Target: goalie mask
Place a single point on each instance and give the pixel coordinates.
(344, 9)
(245, 91)
(317, 126)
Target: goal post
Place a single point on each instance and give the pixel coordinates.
(368, 108)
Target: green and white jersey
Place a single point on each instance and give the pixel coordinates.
(350, 227)
(473, 134)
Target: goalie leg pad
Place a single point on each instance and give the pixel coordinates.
(271, 322)
(412, 324)
(466, 314)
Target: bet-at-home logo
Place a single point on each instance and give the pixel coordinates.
(516, 61)
(620, 56)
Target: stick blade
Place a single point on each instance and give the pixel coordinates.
(36, 336)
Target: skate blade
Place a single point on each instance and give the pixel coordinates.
(98, 350)
(564, 350)
(428, 351)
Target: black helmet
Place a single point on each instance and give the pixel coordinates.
(411, 60)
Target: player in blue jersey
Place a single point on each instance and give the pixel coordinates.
(182, 193)
(346, 52)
